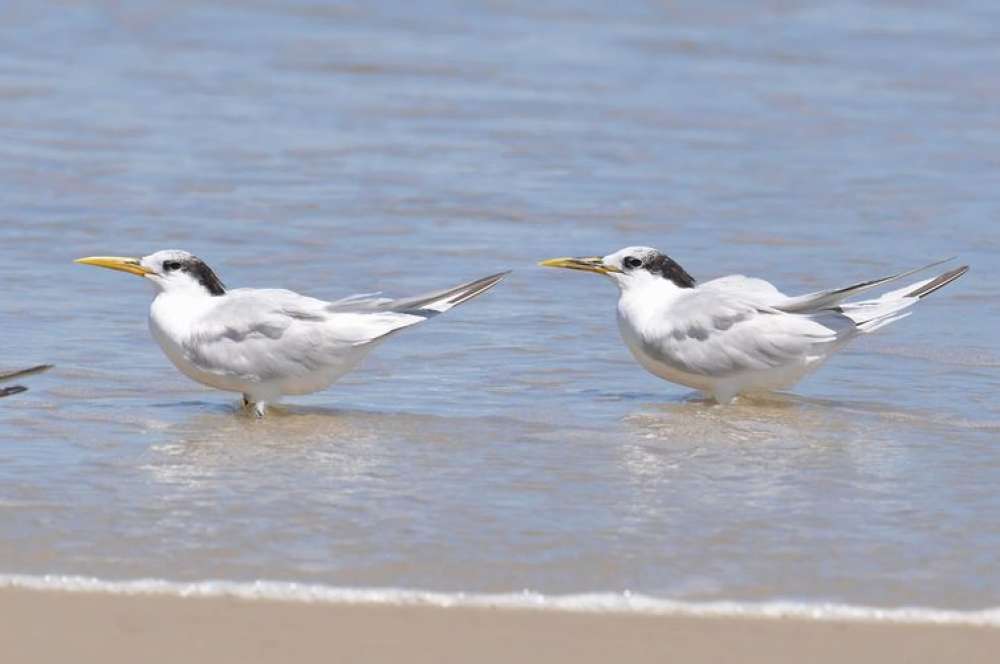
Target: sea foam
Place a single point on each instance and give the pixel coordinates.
(580, 603)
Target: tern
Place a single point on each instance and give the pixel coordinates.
(267, 343)
(739, 335)
(11, 375)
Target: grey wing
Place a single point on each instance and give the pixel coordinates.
(264, 334)
(714, 334)
(259, 334)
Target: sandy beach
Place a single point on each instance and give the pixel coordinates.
(43, 626)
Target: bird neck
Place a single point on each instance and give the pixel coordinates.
(642, 298)
(174, 311)
(647, 284)
(184, 287)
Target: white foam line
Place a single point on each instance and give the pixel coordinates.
(581, 603)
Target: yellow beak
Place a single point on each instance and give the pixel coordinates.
(589, 264)
(122, 264)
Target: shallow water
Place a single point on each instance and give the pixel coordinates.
(511, 444)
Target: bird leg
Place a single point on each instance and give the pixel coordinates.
(258, 408)
(15, 389)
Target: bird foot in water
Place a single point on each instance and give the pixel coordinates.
(256, 408)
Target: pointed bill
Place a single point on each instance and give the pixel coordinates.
(120, 263)
(588, 264)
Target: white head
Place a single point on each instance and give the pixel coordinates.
(630, 267)
(170, 271)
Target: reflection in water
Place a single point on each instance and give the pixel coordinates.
(771, 438)
(773, 419)
(339, 443)
(745, 451)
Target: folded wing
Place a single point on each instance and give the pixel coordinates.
(261, 334)
(710, 333)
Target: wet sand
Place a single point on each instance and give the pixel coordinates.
(43, 626)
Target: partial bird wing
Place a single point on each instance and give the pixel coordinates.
(718, 332)
(11, 375)
(265, 334)
(827, 299)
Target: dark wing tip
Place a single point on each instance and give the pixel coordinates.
(487, 282)
(939, 282)
(477, 287)
(25, 372)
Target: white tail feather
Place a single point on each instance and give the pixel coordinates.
(870, 315)
(828, 299)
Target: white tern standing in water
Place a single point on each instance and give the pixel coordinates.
(266, 343)
(738, 335)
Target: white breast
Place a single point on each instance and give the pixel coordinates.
(170, 321)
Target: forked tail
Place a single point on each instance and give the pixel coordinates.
(870, 315)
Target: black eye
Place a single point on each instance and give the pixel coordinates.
(170, 266)
(632, 262)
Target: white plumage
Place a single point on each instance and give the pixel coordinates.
(267, 343)
(735, 335)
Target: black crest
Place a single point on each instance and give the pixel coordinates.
(668, 268)
(204, 275)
